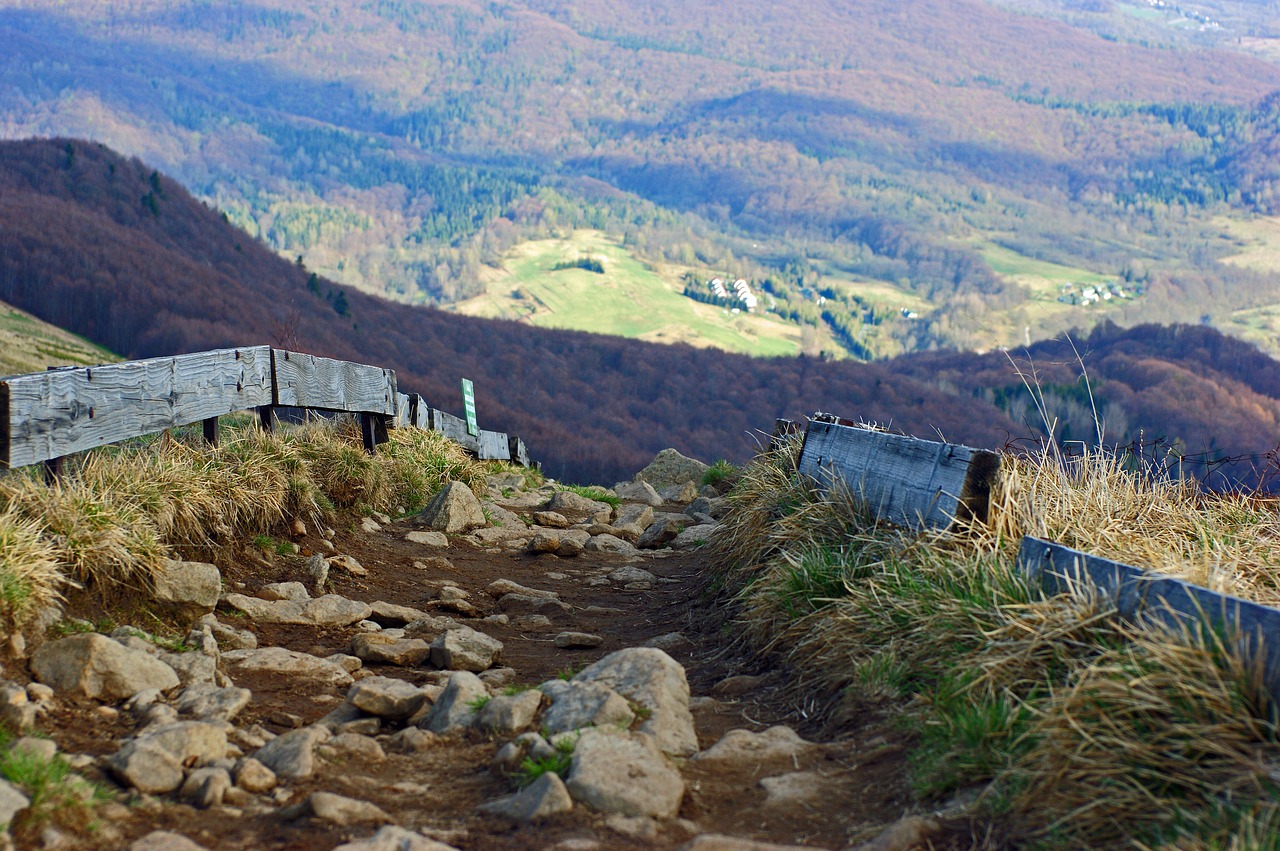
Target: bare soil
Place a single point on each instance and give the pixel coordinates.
(437, 792)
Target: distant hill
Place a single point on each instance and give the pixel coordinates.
(29, 345)
(108, 248)
(930, 149)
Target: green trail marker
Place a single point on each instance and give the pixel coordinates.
(469, 402)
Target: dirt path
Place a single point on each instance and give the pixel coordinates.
(436, 792)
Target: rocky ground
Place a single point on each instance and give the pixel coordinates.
(406, 685)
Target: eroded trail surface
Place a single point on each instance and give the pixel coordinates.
(425, 764)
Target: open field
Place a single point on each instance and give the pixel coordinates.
(29, 345)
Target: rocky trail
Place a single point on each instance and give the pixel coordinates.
(418, 684)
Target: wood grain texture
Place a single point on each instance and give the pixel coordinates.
(519, 452)
(1139, 595)
(454, 428)
(308, 381)
(404, 413)
(419, 412)
(47, 415)
(494, 446)
(905, 480)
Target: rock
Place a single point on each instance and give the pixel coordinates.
(232, 638)
(516, 603)
(669, 467)
(567, 640)
(632, 577)
(501, 536)
(544, 797)
(578, 509)
(667, 641)
(533, 623)
(96, 667)
(348, 746)
(188, 588)
(502, 587)
(453, 710)
(681, 493)
(252, 776)
(501, 517)
(575, 705)
(208, 702)
(739, 685)
(715, 507)
(361, 726)
(608, 543)
(386, 697)
(153, 761)
(720, 842)
(284, 591)
(465, 649)
(318, 572)
(146, 767)
(12, 802)
(797, 787)
(205, 787)
(654, 680)
(572, 542)
(292, 755)
(662, 531)
(390, 614)
(551, 519)
(392, 838)
(191, 668)
(165, 840)
(377, 647)
(369, 525)
(346, 662)
(41, 750)
(746, 747)
(507, 714)
(412, 740)
(639, 491)
(431, 627)
(635, 827)
(428, 539)
(282, 663)
(906, 834)
(349, 564)
(632, 520)
(335, 809)
(694, 536)
(615, 772)
(329, 610)
(454, 509)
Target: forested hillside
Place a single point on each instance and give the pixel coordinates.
(110, 249)
(937, 149)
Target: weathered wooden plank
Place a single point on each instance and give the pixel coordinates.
(421, 412)
(1252, 630)
(494, 446)
(454, 428)
(50, 414)
(905, 480)
(404, 412)
(308, 381)
(519, 452)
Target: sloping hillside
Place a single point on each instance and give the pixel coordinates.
(29, 345)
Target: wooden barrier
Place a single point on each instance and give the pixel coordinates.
(905, 480)
(494, 446)
(454, 428)
(1251, 629)
(46, 415)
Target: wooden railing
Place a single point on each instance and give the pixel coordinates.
(46, 416)
(923, 484)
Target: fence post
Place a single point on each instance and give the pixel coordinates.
(211, 431)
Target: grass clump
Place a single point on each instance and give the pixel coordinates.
(721, 475)
(1080, 730)
(530, 769)
(596, 493)
(57, 794)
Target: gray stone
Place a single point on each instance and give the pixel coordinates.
(205, 787)
(392, 838)
(522, 603)
(147, 767)
(454, 509)
(578, 509)
(355, 746)
(292, 755)
(547, 796)
(165, 840)
(284, 591)
(208, 702)
(412, 740)
(654, 680)
(191, 668)
(906, 834)
(390, 614)
(465, 649)
(502, 587)
(721, 842)
(682, 493)
(507, 714)
(743, 747)
(153, 761)
(329, 610)
(362, 726)
(638, 491)
(349, 564)
(97, 667)
(608, 543)
(715, 507)
(386, 697)
(43, 750)
(233, 638)
(453, 710)
(252, 776)
(694, 536)
(376, 647)
(632, 576)
(428, 539)
(662, 531)
(551, 519)
(12, 802)
(318, 572)
(580, 704)
(501, 517)
(567, 640)
(336, 809)
(188, 588)
(369, 525)
(279, 662)
(633, 520)
(669, 467)
(614, 772)
(346, 662)
(796, 787)
(667, 641)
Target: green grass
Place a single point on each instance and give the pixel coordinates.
(558, 763)
(596, 493)
(1005, 261)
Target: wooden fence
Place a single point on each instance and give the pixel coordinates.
(923, 484)
(46, 416)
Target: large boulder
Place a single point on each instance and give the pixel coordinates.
(638, 491)
(99, 668)
(286, 664)
(329, 610)
(376, 647)
(614, 772)
(577, 508)
(465, 649)
(386, 697)
(544, 797)
(455, 708)
(455, 510)
(575, 705)
(669, 468)
(651, 678)
(188, 588)
(292, 755)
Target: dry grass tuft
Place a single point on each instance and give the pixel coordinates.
(29, 574)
